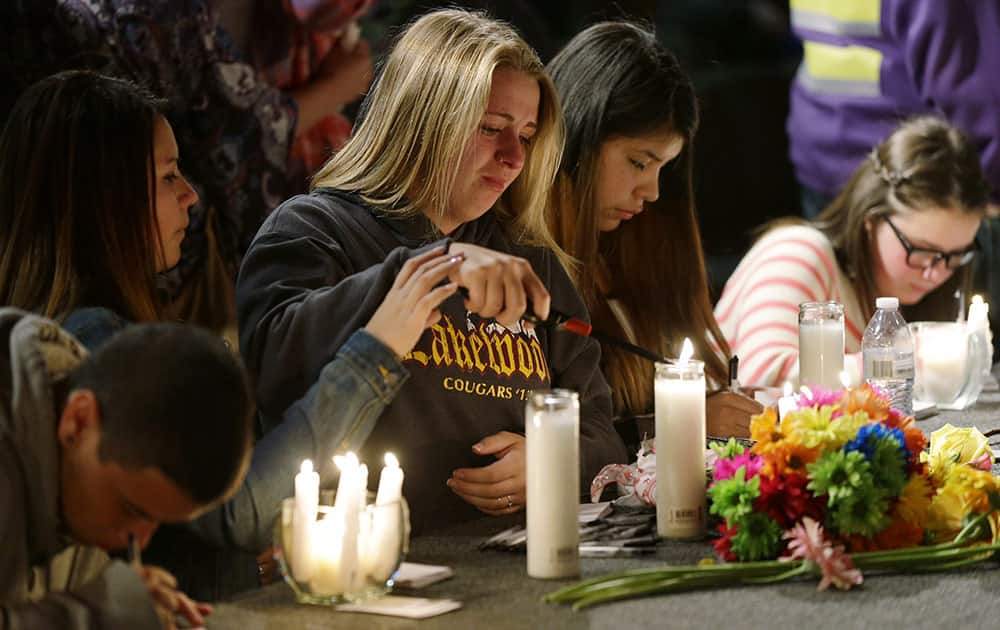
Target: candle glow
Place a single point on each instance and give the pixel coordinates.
(845, 379)
(687, 351)
(354, 545)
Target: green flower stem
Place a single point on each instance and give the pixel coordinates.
(649, 576)
(671, 585)
(750, 569)
(971, 526)
(781, 577)
(663, 580)
(673, 579)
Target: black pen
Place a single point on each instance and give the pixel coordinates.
(557, 319)
(734, 366)
(134, 553)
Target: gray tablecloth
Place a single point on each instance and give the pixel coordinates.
(498, 594)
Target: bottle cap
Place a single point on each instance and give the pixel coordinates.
(888, 303)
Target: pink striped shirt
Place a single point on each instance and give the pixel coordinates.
(758, 310)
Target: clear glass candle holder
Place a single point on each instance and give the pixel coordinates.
(320, 572)
(949, 361)
(821, 344)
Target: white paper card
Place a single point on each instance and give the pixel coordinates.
(414, 575)
(401, 606)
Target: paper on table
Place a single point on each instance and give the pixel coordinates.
(590, 512)
(415, 575)
(401, 606)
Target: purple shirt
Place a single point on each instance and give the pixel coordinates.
(940, 57)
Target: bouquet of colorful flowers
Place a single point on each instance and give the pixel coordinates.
(840, 485)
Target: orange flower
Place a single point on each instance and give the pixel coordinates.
(790, 458)
(899, 535)
(765, 431)
(915, 440)
(864, 399)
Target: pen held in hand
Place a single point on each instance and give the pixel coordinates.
(560, 320)
(134, 552)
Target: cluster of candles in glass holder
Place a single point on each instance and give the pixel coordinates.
(953, 359)
(347, 551)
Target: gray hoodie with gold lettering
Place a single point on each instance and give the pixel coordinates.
(317, 270)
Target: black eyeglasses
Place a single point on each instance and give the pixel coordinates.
(922, 258)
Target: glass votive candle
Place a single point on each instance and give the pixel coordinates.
(948, 362)
(821, 344)
(340, 563)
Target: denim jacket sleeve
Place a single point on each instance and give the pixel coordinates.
(93, 325)
(337, 414)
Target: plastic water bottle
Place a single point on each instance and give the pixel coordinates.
(887, 352)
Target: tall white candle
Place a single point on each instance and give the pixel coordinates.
(787, 401)
(552, 436)
(979, 324)
(821, 353)
(329, 538)
(347, 506)
(680, 447)
(303, 520)
(390, 481)
(978, 313)
(382, 554)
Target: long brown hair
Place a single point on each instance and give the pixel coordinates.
(925, 163)
(616, 80)
(77, 220)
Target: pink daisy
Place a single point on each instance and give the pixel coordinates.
(807, 543)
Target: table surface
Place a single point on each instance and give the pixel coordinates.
(496, 592)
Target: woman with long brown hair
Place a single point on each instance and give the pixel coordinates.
(903, 226)
(92, 204)
(623, 205)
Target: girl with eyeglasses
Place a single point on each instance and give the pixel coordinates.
(903, 226)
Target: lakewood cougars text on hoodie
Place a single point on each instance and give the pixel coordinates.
(319, 268)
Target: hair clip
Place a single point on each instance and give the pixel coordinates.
(893, 178)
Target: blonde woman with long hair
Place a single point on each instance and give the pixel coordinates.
(456, 146)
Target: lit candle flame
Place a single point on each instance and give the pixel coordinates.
(687, 351)
(391, 461)
(307, 466)
(977, 299)
(350, 461)
(788, 388)
(845, 379)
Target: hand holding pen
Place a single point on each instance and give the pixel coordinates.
(498, 285)
(168, 602)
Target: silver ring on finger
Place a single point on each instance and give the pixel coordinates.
(510, 502)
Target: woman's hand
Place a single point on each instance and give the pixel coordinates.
(499, 285)
(500, 487)
(411, 305)
(168, 601)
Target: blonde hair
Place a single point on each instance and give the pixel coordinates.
(427, 101)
